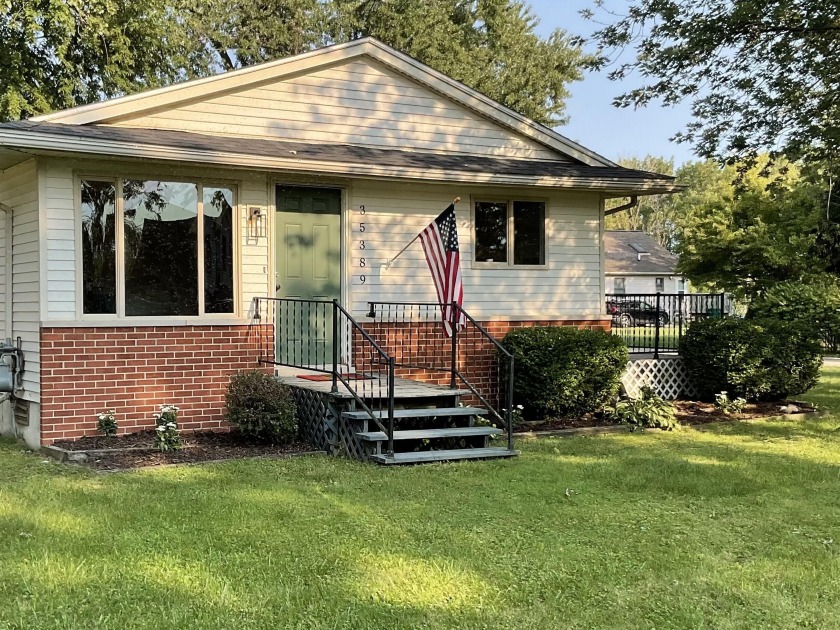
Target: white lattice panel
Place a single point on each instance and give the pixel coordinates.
(666, 377)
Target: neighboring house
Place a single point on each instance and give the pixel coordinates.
(636, 263)
(139, 231)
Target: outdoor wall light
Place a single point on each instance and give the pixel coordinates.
(256, 221)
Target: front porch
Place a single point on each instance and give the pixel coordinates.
(396, 390)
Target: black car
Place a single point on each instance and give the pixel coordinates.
(635, 313)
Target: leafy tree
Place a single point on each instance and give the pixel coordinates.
(760, 74)
(239, 33)
(653, 214)
(61, 53)
(747, 239)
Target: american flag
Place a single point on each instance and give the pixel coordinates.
(440, 243)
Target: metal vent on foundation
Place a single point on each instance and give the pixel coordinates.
(21, 412)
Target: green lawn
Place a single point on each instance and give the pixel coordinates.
(731, 527)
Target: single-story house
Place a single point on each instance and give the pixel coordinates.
(137, 233)
(635, 263)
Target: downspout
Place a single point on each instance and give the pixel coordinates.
(634, 201)
(7, 212)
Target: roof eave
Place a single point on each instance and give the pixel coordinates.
(49, 144)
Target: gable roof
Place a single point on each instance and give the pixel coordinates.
(333, 158)
(631, 252)
(173, 95)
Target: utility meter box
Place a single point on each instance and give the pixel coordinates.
(11, 366)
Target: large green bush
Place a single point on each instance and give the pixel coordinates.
(261, 407)
(759, 359)
(815, 302)
(563, 371)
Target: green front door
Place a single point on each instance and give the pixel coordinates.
(308, 263)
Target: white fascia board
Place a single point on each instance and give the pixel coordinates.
(169, 96)
(47, 144)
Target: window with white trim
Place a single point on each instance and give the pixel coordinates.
(660, 285)
(618, 286)
(153, 248)
(510, 233)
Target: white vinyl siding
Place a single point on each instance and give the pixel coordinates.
(19, 191)
(357, 102)
(645, 284)
(569, 286)
(63, 226)
(255, 263)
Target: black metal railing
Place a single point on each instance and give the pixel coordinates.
(655, 322)
(321, 336)
(414, 335)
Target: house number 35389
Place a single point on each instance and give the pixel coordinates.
(362, 245)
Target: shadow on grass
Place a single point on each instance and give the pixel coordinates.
(574, 526)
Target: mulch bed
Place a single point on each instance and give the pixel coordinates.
(688, 413)
(196, 447)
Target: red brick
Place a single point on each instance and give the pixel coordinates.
(134, 370)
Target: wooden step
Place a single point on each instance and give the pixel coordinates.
(431, 412)
(429, 434)
(443, 456)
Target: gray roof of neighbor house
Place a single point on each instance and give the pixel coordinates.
(631, 251)
(100, 137)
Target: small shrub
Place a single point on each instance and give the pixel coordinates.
(727, 406)
(262, 408)
(107, 422)
(750, 358)
(648, 412)
(563, 371)
(167, 437)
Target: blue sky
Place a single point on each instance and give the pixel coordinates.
(595, 123)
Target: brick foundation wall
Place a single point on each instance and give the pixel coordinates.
(135, 370)
(424, 344)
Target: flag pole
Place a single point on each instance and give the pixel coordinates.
(400, 253)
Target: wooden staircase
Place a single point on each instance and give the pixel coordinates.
(350, 398)
(436, 433)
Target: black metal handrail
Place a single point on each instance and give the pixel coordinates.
(321, 336)
(414, 348)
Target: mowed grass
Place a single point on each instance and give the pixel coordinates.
(641, 338)
(730, 527)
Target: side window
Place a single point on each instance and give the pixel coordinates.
(510, 232)
(99, 253)
(660, 285)
(618, 286)
(491, 219)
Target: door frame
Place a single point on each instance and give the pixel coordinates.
(344, 186)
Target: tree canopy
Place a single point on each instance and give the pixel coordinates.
(768, 229)
(761, 75)
(61, 53)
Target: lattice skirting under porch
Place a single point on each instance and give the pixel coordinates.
(317, 418)
(321, 424)
(665, 376)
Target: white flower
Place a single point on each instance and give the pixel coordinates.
(171, 425)
(520, 407)
(160, 428)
